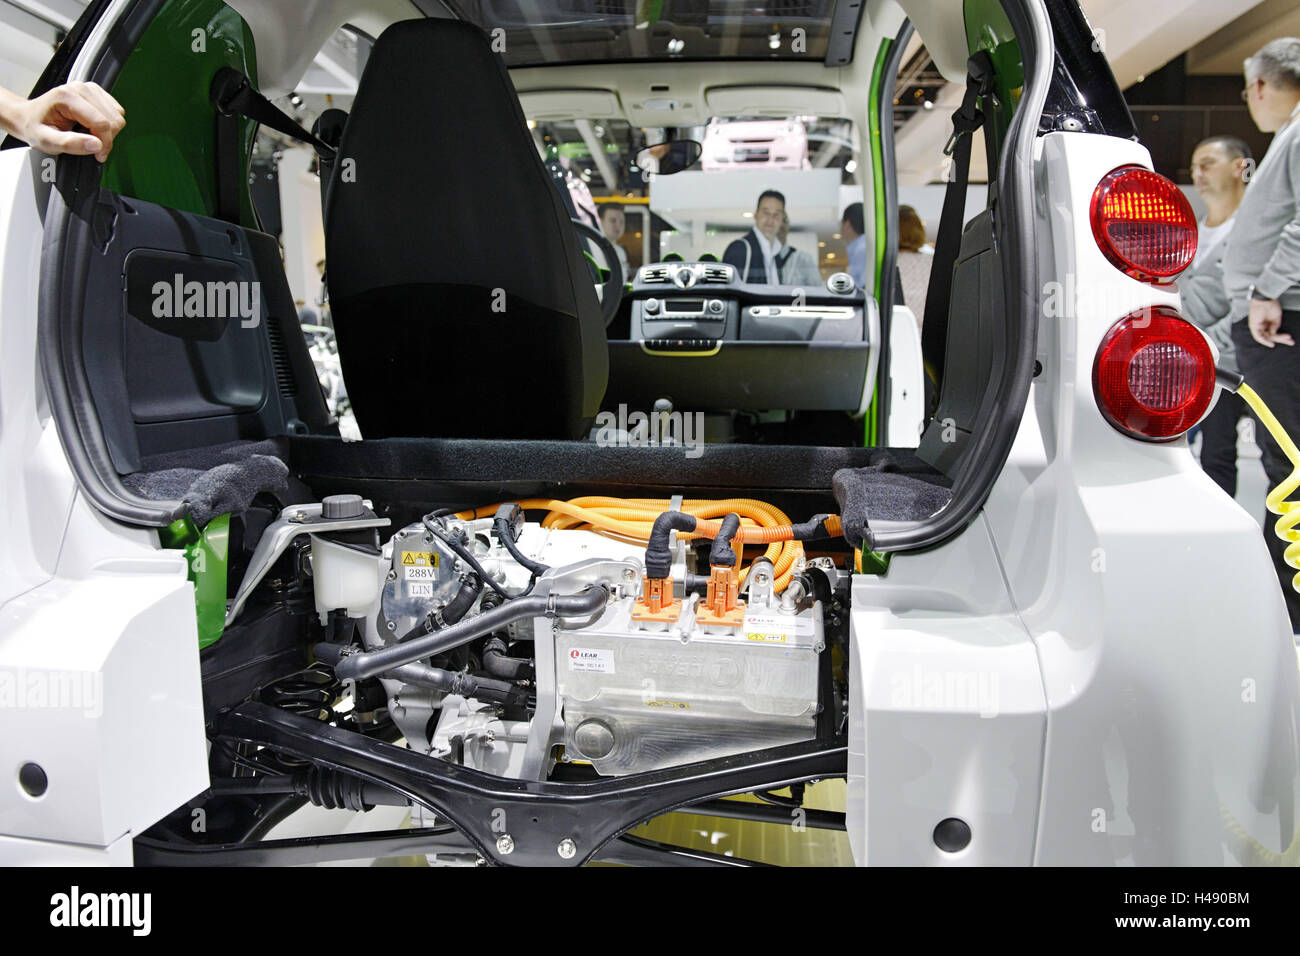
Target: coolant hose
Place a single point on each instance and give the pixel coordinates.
(448, 682)
(460, 604)
(460, 683)
(454, 610)
(1276, 501)
(370, 663)
(498, 663)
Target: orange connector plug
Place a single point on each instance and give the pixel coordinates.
(722, 604)
(656, 602)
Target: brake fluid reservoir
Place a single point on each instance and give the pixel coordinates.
(347, 566)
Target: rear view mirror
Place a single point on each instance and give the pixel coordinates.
(671, 157)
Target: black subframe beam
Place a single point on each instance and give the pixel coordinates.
(538, 816)
(626, 850)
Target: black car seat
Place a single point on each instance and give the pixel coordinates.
(461, 301)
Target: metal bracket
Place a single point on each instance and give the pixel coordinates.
(293, 521)
(548, 723)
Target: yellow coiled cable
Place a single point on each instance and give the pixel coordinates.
(1277, 499)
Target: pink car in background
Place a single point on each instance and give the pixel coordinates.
(742, 144)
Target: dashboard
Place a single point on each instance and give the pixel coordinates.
(699, 336)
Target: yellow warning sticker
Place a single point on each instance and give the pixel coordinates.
(419, 565)
(670, 704)
(765, 638)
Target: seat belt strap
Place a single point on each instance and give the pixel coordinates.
(965, 121)
(233, 97)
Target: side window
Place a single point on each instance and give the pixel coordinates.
(921, 111)
(167, 152)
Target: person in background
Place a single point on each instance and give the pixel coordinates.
(320, 314)
(613, 223)
(755, 253)
(46, 122)
(1261, 268)
(914, 258)
(1219, 167)
(852, 229)
(800, 268)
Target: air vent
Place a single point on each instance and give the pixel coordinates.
(283, 372)
(655, 274)
(717, 274)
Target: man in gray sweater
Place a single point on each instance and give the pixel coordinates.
(1261, 268)
(1219, 167)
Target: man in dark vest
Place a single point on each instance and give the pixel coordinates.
(759, 254)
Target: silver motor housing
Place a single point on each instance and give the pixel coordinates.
(621, 695)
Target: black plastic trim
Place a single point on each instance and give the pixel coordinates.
(65, 252)
(845, 20)
(1014, 229)
(889, 269)
(1083, 88)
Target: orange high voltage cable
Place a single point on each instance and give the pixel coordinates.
(633, 518)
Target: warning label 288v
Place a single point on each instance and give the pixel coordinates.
(419, 565)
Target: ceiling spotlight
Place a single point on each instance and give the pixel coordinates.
(296, 100)
(850, 167)
(927, 104)
(532, 124)
(774, 41)
(598, 130)
(676, 46)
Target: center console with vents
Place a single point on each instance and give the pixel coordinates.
(703, 338)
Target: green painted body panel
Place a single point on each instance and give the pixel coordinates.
(882, 232)
(987, 28)
(166, 153)
(207, 553)
(179, 534)
(873, 562)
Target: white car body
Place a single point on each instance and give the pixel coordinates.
(1098, 670)
(1055, 671)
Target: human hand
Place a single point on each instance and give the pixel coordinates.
(1264, 321)
(46, 122)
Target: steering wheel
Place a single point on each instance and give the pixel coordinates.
(611, 291)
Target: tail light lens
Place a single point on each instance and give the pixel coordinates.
(1143, 224)
(1154, 375)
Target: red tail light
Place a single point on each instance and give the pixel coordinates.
(1143, 223)
(1154, 375)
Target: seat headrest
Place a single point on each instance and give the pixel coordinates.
(438, 179)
